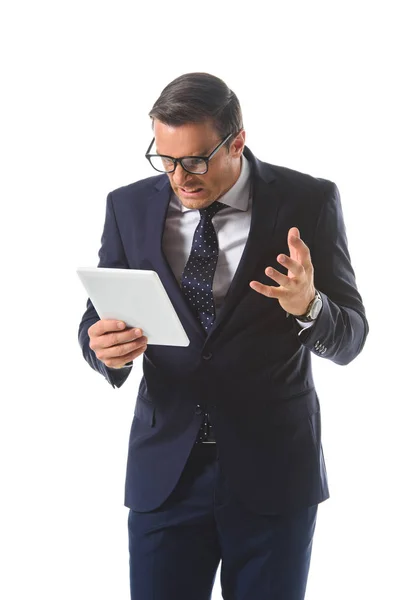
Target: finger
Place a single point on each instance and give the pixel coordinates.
(104, 326)
(292, 265)
(293, 236)
(108, 340)
(121, 362)
(298, 248)
(267, 290)
(280, 278)
(121, 350)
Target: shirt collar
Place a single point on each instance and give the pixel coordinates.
(237, 196)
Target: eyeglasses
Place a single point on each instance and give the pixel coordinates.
(192, 164)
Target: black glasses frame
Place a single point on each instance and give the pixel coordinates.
(179, 160)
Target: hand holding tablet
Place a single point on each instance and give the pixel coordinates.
(138, 298)
(114, 345)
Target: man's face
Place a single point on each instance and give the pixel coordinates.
(199, 139)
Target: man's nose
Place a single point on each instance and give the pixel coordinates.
(180, 175)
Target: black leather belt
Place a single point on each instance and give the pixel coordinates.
(206, 432)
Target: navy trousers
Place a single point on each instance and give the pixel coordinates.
(176, 549)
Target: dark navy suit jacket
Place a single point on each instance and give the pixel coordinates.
(251, 371)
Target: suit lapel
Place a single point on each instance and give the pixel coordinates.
(155, 214)
(263, 219)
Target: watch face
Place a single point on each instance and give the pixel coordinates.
(316, 307)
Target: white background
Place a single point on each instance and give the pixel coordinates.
(317, 85)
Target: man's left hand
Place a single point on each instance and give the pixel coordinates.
(296, 289)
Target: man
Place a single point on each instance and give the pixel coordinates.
(225, 459)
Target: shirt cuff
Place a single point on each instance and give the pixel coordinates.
(127, 366)
(304, 325)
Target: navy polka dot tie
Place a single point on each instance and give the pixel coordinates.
(197, 280)
(198, 274)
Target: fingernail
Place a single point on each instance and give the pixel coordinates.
(137, 332)
(121, 325)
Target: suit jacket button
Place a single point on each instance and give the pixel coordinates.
(199, 410)
(207, 356)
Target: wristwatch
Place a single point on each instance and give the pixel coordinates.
(313, 309)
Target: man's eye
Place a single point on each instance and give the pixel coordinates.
(193, 162)
(167, 162)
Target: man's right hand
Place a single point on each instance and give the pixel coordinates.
(114, 346)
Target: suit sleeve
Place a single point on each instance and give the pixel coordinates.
(340, 331)
(112, 255)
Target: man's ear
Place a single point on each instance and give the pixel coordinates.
(238, 144)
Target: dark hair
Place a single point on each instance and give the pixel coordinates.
(198, 97)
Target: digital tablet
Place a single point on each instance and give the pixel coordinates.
(136, 297)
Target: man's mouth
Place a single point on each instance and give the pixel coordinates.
(191, 190)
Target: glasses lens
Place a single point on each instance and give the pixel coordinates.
(195, 165)
(162, 163)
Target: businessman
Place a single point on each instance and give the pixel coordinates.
(225, 462)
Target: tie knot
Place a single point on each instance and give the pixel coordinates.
(212, 210)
